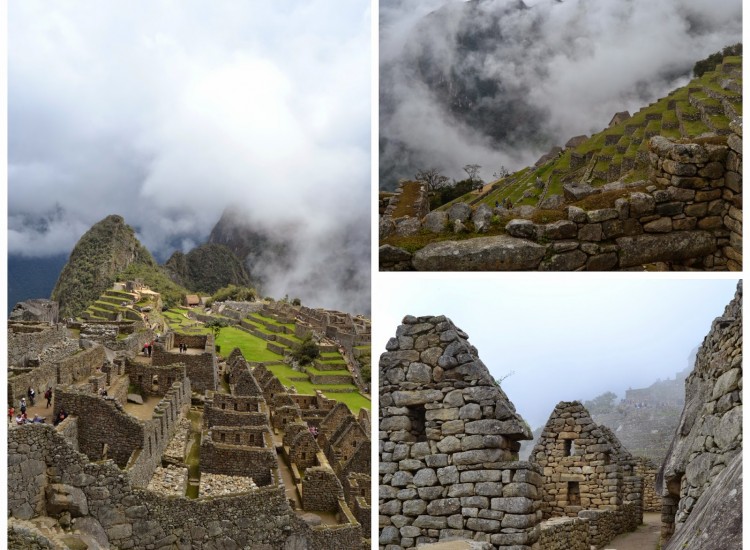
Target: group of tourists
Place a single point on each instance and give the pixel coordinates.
(147, 349)
(183, 348)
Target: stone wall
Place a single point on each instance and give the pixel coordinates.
(321, 490)
(230, 410)
(154, 379)
(584, 465)
(689, 215)
(30, 339)
(257, 461)
(201, 369)
(449, 441)
(132, 444)
(709, 435)
(73, 368)
(564, 534)
(137, 518)
(647, 471)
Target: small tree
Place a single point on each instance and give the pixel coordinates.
(473, 171)
(216, 324)
(433, 178)
(601, 404)
(502, 173)
(306, 351)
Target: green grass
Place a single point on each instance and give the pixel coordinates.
(252, 347)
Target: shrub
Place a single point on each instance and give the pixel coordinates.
(306, 351)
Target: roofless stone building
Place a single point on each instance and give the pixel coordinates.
(588, 474)
(449, 441)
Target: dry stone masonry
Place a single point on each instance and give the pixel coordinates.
(587, 474)
(688, 215)
(449, 441)
(191, 466)
(701, 478)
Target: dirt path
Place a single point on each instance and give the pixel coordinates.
(644, 538)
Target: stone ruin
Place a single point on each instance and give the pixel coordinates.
(449, 468)
(688, 215)
(700, 480)
(38, 311)
(114, 480)
(449, 441)
(587, 474)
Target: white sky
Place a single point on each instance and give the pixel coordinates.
(565, 336)
(166, 112)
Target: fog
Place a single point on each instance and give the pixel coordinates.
(498, 82)
(168, 112)
(564, 337)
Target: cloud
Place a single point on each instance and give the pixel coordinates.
(167, 119)
(453, 73)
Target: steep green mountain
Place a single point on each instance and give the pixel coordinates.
(109, 247)
(207, 268)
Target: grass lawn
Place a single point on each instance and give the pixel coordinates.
(252, 347)
(353, 400)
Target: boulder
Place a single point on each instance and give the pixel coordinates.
(552, 202)
(577, 191)
(436, 221)
(678, 245)
(482, 218)
(716, 521)
(63, 498)
(501, 253)
(407, 226)
(459, 211)
(135, 398)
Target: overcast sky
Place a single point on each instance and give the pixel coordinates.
(576, 62)
(564, 337)
(166, 112)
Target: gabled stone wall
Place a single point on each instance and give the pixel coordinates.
(449, 441)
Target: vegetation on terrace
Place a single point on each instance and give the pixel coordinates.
(618, 153)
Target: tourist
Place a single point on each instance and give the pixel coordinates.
(38, 419)
(11, 412)
(497, 204)
(23, 405)
(19, 419)
(32, 394)
(48, 396)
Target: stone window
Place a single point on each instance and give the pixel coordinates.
(417, 417)
(574, 493)
(569, 448)
(222, 437)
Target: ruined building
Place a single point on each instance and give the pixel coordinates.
(701, 478)
(588, 474)
(449, 440)
(114, 474)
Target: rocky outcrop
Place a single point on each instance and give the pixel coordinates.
(100, 254)
(716, 520)
(39, 310)
(207, 268)
(708, 439)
